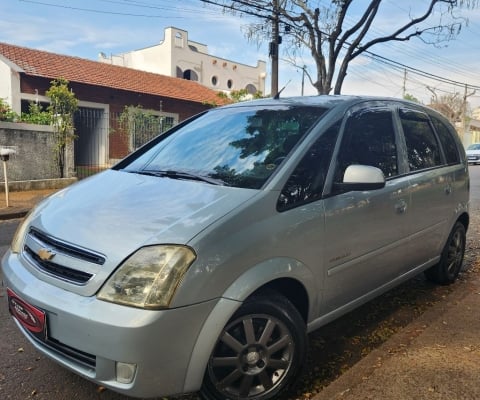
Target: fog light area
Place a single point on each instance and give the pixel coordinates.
(125, 372)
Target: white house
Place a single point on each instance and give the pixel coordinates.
(180, 57)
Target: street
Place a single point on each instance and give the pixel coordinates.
(26, 374)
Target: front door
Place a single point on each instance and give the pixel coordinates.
(366, 231)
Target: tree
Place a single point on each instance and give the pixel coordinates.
(240, 95)
(335, 32)
(453, 106)
(411, 97)
(63, 105)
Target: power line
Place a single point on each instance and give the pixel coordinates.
(231, 7)
(371, 54)
(109, 12)
(418, 71)
(374, 56)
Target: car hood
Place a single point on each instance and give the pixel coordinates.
(473, 152)
(114, 213)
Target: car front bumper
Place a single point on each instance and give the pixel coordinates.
(473, 159)
(90, 337)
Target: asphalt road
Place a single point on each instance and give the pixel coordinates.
(25, 374)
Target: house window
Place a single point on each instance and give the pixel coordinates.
(230, 84)
(190, 75)
(251, 89)
(178, 40)
(179, 73)
(214, 80)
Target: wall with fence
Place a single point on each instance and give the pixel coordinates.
(102, 139)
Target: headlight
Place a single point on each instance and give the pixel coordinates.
(149, 277)
(19, 236)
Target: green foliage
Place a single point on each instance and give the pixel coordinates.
(141, 125)
(6, 112)
(63, 105)
(240, 95)
(411, 97)
(36, 115)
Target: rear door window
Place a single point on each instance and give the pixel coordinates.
(423, 149)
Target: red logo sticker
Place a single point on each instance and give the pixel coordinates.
(29, 316)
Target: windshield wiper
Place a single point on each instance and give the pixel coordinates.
(180, 175)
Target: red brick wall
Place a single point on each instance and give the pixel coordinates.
(117, 100)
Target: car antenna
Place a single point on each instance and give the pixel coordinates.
(277, 96)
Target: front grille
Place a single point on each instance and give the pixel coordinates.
(81, 357)
(67, 248)
(69, 352)
(59, 271)
(59, 259)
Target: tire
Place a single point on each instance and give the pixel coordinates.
(259, 353)
(450, 264)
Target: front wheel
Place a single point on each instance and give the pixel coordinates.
(450, 264)
(259, 353)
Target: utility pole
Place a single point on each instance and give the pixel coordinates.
(464, 116)
(274, 48)
(404, 82)
(303, 77)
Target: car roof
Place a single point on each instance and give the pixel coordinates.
(338, 102)
(327, 101)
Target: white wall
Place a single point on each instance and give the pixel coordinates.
(10, 86)
(176, 50)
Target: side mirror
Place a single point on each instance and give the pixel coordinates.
(362, 178)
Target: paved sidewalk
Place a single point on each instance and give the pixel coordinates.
(435, 357)
(21, 202)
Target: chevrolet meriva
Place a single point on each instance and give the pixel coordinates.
(201, 261)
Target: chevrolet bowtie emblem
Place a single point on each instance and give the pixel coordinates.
(45, 254)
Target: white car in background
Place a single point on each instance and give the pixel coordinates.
(473, 153)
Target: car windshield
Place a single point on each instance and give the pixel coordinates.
(475, 146)
(238, 147)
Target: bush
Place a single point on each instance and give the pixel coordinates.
(36, 115)
(6, 112)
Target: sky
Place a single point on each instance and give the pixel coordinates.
(84, 28)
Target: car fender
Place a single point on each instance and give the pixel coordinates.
(233, 297)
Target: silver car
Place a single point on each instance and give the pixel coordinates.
(201, 261)
(473, 153)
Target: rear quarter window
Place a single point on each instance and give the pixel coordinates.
(423, 149)
(447, 140)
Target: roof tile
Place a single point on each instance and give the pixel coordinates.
(80, 70)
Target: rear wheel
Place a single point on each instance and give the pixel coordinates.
(447, 270)
(259, 353)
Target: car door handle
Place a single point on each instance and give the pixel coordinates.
(401, 207)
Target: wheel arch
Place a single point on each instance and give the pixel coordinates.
(464, 218)
(291, 289)
(288, 277)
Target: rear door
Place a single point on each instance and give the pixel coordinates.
(432, 179)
